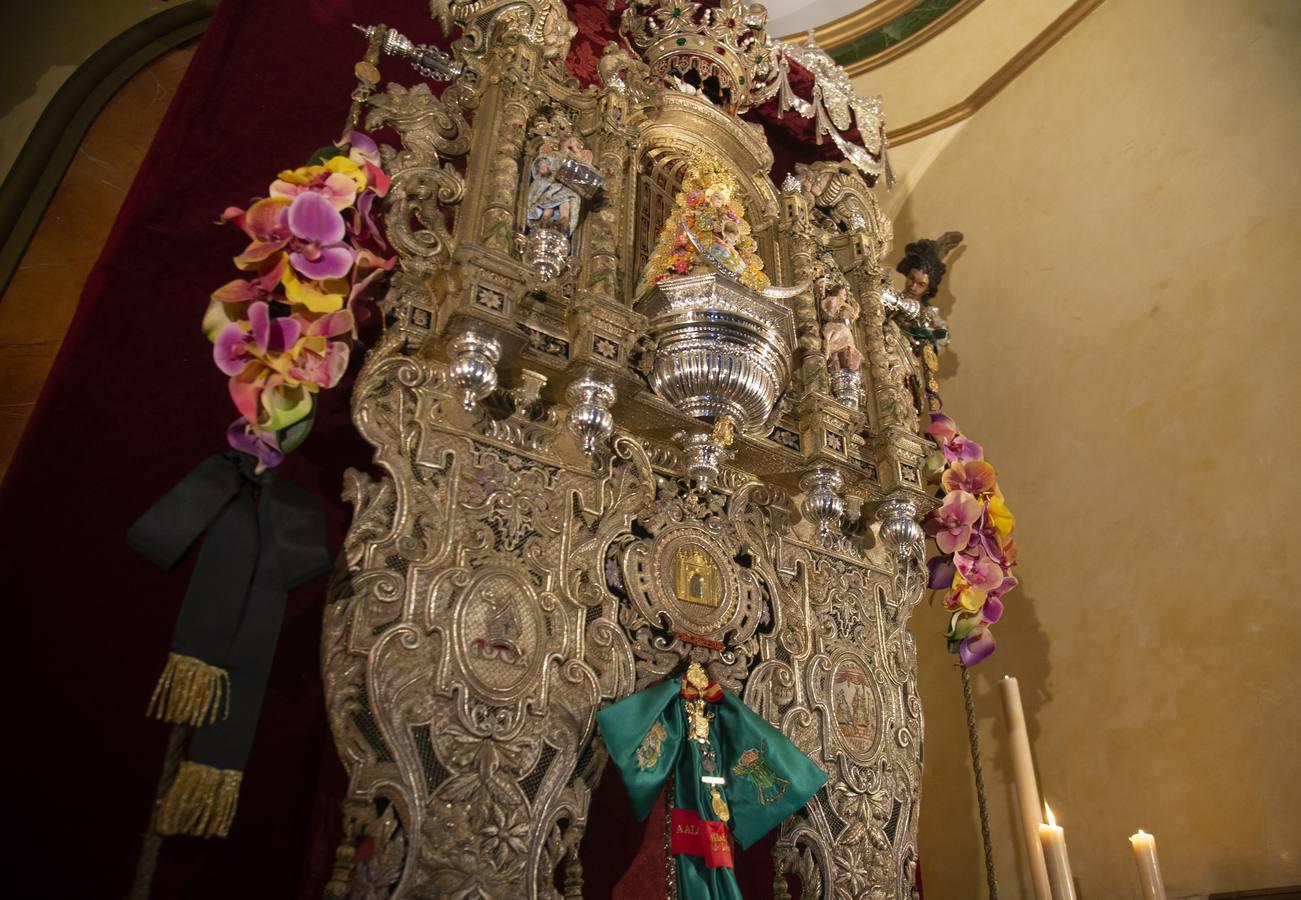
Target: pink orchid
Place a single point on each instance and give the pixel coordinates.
(259, 288)
(227, 303)
(951, 524)
(956, 447)
(237, 346)
(317, 250)
(322, 362)
(266, 223)
(1009, 554)
(992, 611)
(974, 476)
(337, 182)
(363, 150)
(978, 570)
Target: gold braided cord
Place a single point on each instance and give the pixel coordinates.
(190, 692)
(201, 801)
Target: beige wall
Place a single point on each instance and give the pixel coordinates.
(42, 46)
(1125, 319)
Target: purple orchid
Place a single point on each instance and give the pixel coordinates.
(262, 445)
(317, 249)
(976, 646)
(941, 569)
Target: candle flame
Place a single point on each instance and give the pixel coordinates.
(1049, 810)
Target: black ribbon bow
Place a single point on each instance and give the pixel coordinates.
(263, 537)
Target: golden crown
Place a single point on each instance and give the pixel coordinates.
(721, 52)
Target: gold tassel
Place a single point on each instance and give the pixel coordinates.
(201, 801)
(190, 692)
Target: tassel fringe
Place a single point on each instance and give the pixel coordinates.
(200, 802)
(190, 692)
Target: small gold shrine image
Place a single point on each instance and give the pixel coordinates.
(695, 577)
(639, 402)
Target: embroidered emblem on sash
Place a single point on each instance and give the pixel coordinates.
(648, 754)
(753, 766)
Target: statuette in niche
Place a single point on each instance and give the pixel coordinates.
(706, 232)
(840, 312)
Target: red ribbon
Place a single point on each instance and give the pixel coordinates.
(713, 692)
(693, 836)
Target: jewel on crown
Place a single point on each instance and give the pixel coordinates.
(721, 52)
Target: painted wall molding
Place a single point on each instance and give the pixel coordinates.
(50, 148)
(1006, 74)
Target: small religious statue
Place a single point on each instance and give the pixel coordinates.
(734, 775)
(923, 269)
(561, 177)
(552, 203)
(840, 311)
(706, 232)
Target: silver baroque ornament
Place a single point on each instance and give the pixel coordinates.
(498, 587)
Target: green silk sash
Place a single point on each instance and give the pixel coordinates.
(767, 778)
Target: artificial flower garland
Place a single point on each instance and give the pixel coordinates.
(972, 530)
(284, 334)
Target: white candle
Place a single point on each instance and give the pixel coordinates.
(1149, 870)
(1052, 837)
(1027, 791)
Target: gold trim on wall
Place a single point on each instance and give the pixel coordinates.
(965, 109)
(912, 41)
(860, 22)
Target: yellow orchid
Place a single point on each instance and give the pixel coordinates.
(309, 294)
(1000, 516)
(963, 596)
(338, 179)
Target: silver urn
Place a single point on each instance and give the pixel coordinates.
(721, 348)
(474, 366)
(823, 504)
(589, 418)
(899, 529)
(546, 251)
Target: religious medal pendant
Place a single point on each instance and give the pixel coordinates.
(708, 763)
(698, 721)
(718, 803)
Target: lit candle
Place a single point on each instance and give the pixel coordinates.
(1149, 870)
(1027, 792)
(1053, 840)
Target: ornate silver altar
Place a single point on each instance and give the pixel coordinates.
(531, 547)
